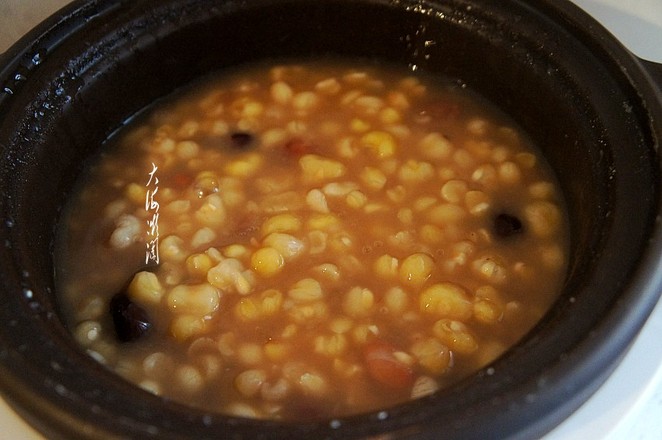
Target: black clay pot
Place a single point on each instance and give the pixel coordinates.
(592, 107)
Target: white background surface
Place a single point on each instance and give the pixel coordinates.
(629, 405)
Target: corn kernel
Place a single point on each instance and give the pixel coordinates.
(249, 382)
(330, 345)
(359, 125)
(543, 218)
(423, 386)
(431, 234)
(146, 288)
(287, 223)
(389, 115)
(373, 178)
(317, 169)
(328, 271)
(436, 146)
(455, 335)
(386, 266)
(414, 171)
(287, 245)
(454, 191)
(212, 213)
(432, 355)
(416, 269)
(487, 311)
(250, 354)
(476, 202)
(197, 265)
(137, 193)
(446, 300)
(445, 214)
(276, 351)
(316, 200)
(323, 222)
(306, 290)
(244, 167)
(171, 248)
(381, 143)
(356, 199)
(267, 261)
(396, 300)
(184, 327)
(198, 299)
(358, 302)
(203, 237)
(281, 92)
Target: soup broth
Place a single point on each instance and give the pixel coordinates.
(310, 240)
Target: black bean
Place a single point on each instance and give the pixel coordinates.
(241, 139)
(506, 225)
(130, 320)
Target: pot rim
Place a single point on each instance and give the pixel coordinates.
(606, 343)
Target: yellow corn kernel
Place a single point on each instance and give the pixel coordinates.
(454, 191)
(305, 101)
(431, 234)
(491, 269)
(312, 384)
(543, 218)
(487, 311)
(359, 302)
(197, 265)
(249, 382)
(267, 261)
(276, 351)
(203, 237)
(509, 173)
(414, 171)
(328, 271)
(189, 378)
(339, 189)
(317, 241)
(406, 216)
(423, 386)
(187, 149)
(397, 194)
(136, 193)
(212, 213)
(345, 369)
(287, 223)
(381, 143)
(416, 269)
(323, 222)
(271, 301)
(389, 115)
(244, 167)
(436, 146)
(330, 345)
(541, 190)
(316, 200)
(486, 175)
(171, 248)
(196, 299)
(455, 335)
(446, 213)
(476, 202)
(359, 125)
(432, 355)
(356, 199)
(237, 251)
(306, 290)
(309, 313)
(146, 288)
(363, 332)
(317, 169)
(281, 92)
(446, 300)
(248, 309)
(229, 275)
(287, 245)
(183, 327)
(396, 300)
(341, 325)
(205, 183)
(329, 86)
(373, 178)
(386, 266)
(250, 354)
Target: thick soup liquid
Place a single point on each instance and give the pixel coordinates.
(311, 240)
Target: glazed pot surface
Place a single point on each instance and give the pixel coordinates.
(589, 105)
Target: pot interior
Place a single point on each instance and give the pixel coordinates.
(559, 85)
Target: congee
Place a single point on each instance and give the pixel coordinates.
(310, 240)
